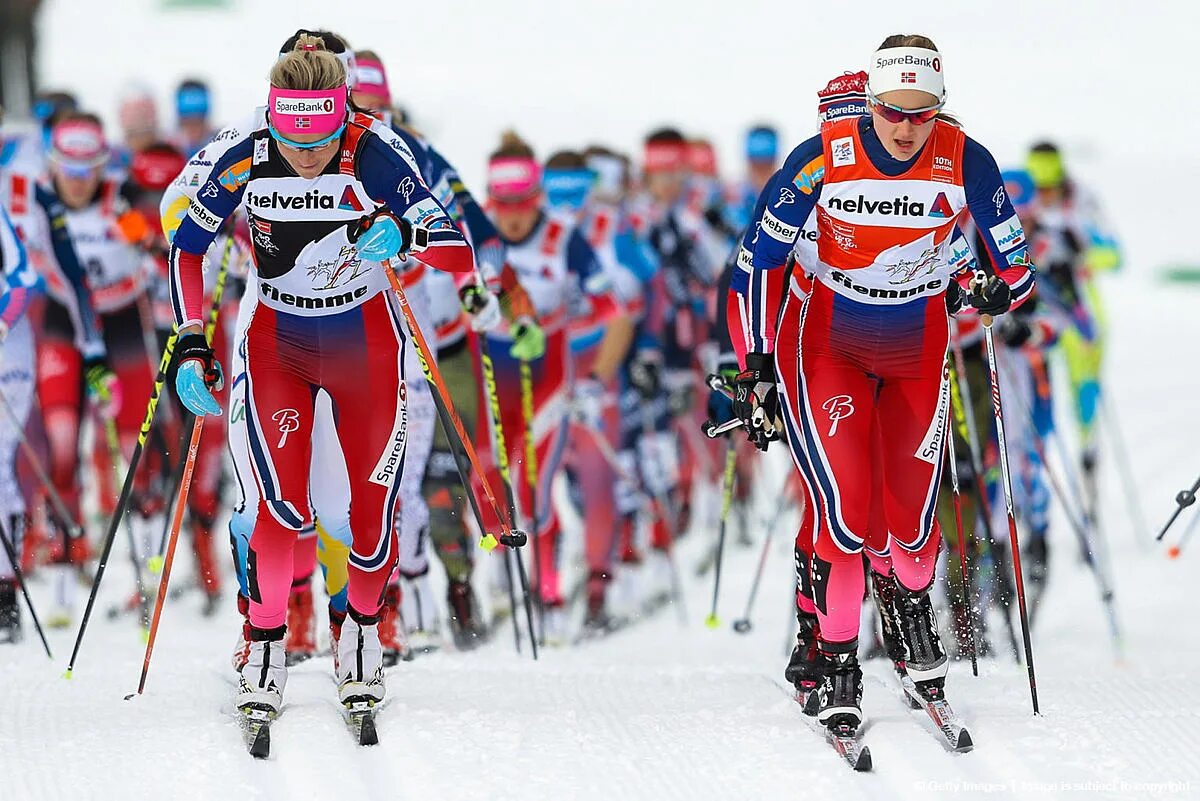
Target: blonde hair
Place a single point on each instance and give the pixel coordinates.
(309, 67)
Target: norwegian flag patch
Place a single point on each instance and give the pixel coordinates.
(905, 77)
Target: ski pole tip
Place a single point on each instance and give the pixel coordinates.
(712, 621)
(1173, 552)
(67, 674)
(488, 542)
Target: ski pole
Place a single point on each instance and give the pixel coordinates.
(180, 507)
(531, 480)
(113, 441)
(998, 414)
(1183, 500)
(501, 447)
(963, 407)
(1088, 533)
(726, 501)
(39, 470)
(1176, 550)
(126, 490)
(743, 625)
(1123, 465)
(952, 457)
(11, 552)
(666, 513)
(455, 432)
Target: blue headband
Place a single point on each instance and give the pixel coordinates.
(567, 188)
(192, 101)
(762, 144)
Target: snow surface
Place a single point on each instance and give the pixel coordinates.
(662, 711)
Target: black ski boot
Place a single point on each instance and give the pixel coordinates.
(10, 612)
(805, 669)
(466, 628)
(883, 589)
(925, 658)
(840, 693)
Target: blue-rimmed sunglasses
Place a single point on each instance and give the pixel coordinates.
(283, 140)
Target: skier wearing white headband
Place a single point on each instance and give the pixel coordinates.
(888, 189)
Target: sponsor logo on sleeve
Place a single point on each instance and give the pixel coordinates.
(843, 151)
(260, 150)
(406, 188)
(210, 190)
(998, 200)
(745, 260)
(235, 177)
(778, 229)
(1019, 258)
(786, 197)
(1008, 234)
(810, 175)
(203, 217)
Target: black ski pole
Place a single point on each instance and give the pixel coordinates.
(126, 491)
(726, 500)
(743, 625)
(501, 447)
(1183, 500)
(11, 553)
(531, 480)
(963, 407)
(998, 413)
(1175, 551)
(964, 574)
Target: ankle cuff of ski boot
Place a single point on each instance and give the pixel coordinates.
(271, 635)
(850, 647)
(361, 619)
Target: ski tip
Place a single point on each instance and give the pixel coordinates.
(965, 743)
(368, 735)
(261, 747)
(864, 763)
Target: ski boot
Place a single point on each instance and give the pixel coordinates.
(925, 658)
(392, 637)
(10, 612)
(840, 693)
(241, 649)
(883, 589)
(465, 627)
(360, 659)
(420, 613)
(264, 675)
(805, 669)
(301, 625)
(336, 619)
(554, 624)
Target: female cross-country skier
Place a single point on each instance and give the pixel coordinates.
(888, 191)
(309, 178)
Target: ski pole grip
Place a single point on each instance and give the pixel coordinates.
(986, 319)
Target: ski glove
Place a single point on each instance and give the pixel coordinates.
(102, 385)
(955, 300)
(756, 400)
(383, 236)
(529, 341)
(720, 404)
(481, 305)
(197, 375)
(990, 296)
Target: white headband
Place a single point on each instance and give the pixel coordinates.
(907, 68)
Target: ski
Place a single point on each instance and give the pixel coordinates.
(948, 724)
(256, 723)
(360, 717)
(846, 742)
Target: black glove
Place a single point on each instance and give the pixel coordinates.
(756, 399)
(645, 373)
(1015, 331)
(954, 298)
(992, 297)
(194, 347)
